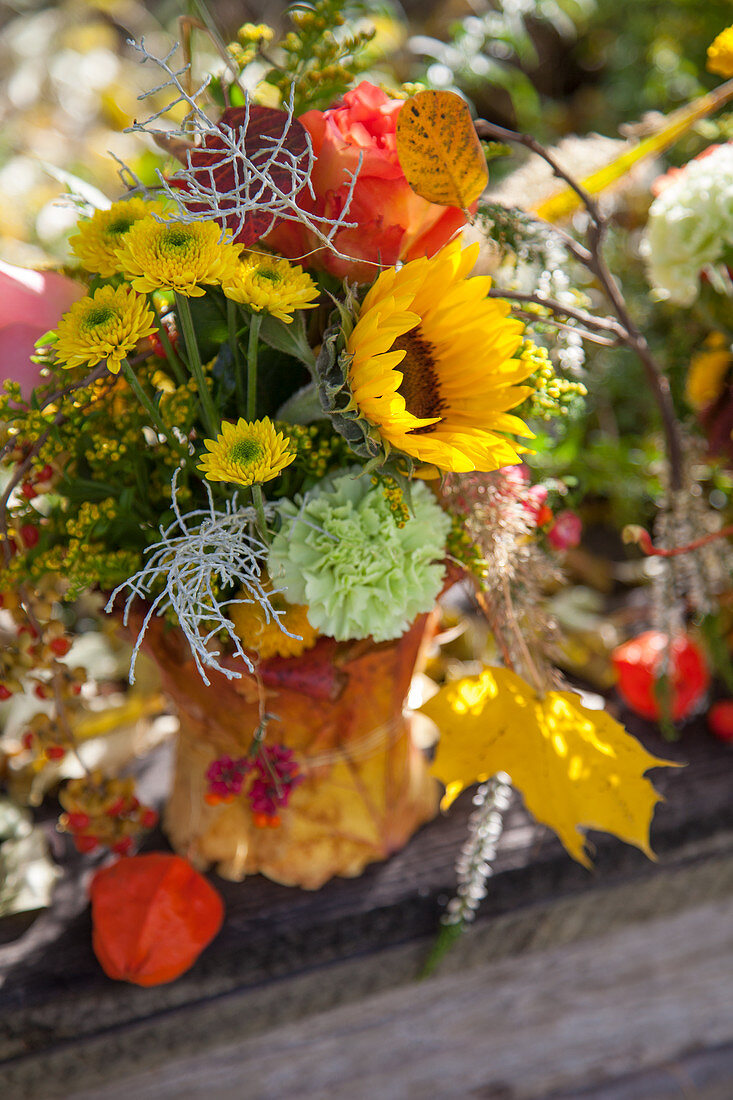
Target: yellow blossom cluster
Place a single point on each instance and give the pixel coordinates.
(720, 54)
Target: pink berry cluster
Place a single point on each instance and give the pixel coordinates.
(273, 776)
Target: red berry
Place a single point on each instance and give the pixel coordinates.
(44, 474)
(544, 515)
(77, 821)
(55, 752)
(27, 739)
(60, 646)
(5, 693)
(260, 821)
(28, 491)
(75, 689)
(40, 691)
(26, 628)
(565, 531)
(148, 819)
(720, 720)
(85, 843)
(30, 535)
(117, 807)
(273, 821)
(212, 799)
(122, 846)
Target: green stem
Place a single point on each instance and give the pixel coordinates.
(254, 338)
(259, 504)
(173, 361)
(208, 412)
(234, 345)
(143, 398)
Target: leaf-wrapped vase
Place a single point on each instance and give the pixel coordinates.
(365, 786)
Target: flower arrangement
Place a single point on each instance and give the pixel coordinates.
(284, 413)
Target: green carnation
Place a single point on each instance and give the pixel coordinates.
(343, 553)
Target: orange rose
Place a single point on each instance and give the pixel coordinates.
(393, 223)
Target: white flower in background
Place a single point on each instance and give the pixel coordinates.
(690, 228)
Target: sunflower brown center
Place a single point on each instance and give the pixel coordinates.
(420, 385)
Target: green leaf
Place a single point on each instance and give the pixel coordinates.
(290, 339)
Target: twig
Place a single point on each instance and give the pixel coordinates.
(603, 324)
(629, 334)
(643, 539)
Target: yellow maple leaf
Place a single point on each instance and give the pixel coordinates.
(576, 768)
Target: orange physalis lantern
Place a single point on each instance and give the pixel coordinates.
(638, 664)
(152, 917)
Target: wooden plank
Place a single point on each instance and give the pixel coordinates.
(284, 954)
(517, 1029)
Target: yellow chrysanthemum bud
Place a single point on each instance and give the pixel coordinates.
(107, 325)
(177, 256)
(272, 285)
(266, 638)
(246, 453)
(100, 237)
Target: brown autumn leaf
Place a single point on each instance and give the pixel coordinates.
(439, 151)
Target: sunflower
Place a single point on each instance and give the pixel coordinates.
(176, 256)
(246, 453)
(430, 367)
(100, 237)
(265, 637)
(271, 284)
(106, 325)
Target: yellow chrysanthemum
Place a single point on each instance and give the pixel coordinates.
(432, 368)
(272, 285)
(720, 54)
(106, 325)
(177, 256)
(708, 370)
(266, 638)
(100, 237)
(246, 453)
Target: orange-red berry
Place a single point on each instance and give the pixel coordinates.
(55, 752)
(122, 846)
(85, 843)
(5, 693)
(720, 720)
(60, 646)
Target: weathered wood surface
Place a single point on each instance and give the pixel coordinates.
(289, 967)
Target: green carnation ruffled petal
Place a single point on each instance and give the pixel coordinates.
(342, 553)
